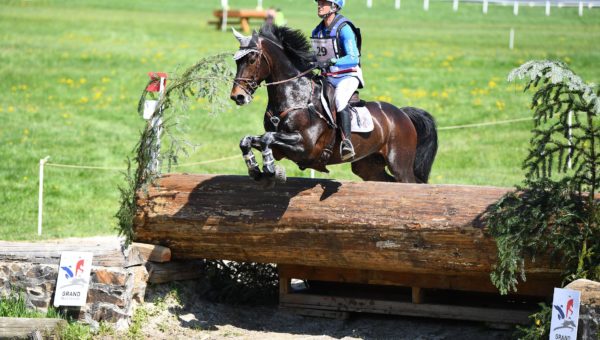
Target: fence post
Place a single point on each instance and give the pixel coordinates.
(547, 8)
(516, 8)
(570, 122)
(41, 194)
(485, 6)
(511, 39)
(397, 4)
(225, 7)
(580, 8)
(369, 3)
(455, 5)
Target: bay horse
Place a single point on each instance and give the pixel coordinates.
(403, 139)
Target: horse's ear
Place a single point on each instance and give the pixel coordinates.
(244, 40)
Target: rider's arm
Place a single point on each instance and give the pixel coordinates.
(348, 39)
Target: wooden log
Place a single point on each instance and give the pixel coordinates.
(407, 228)
(22, 328)
(108, 251)
(152, 252)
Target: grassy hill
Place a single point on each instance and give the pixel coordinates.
(72, 71)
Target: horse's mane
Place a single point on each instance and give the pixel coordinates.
(294, 42)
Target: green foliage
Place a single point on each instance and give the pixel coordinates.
(15, 305)
(540, 325)
(536, 220)
(138, 321)
(203, 81)
(545, 216)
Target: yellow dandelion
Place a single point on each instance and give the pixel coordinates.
(500, 105)
(50, 97)
(26, 132)
(11, 109)
(84, 100)
(25, 178)
(444, 94)
(477, 102)
(143, 60)
(105, 80)
(184, 45)
(66, 115)
(13, 88)
(387, 54)
(434, 94)
(82, 81)
(23, 87)
(69, 81)
(538, 322)
(492, 84)
(1, 109)
(446, 63)
(97, 95)
(122, 97)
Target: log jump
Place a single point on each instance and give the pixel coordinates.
(413, 235)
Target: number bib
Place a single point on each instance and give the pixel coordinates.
(324, 48)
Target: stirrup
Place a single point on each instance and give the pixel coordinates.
(346, 149)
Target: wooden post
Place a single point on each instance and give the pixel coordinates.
(417, 295)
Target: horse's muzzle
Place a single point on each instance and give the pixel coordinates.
(239, 96)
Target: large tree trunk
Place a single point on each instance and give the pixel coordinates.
(430, 230)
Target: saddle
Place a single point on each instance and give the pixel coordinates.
(329, 93)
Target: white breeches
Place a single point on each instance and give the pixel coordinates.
(344, 88)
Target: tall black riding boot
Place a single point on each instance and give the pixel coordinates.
(346, 148)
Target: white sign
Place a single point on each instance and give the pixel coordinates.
(149, 108)
(565, 314)
(73, 279)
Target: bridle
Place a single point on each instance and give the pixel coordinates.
(251, 85)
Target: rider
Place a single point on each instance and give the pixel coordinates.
(337, 42)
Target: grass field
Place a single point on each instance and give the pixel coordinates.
(72, 71)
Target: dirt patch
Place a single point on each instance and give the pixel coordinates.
(177, 311)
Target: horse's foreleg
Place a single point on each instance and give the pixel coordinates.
(246, 145)
(285, 142)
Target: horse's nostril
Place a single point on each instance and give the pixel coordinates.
(240, 98)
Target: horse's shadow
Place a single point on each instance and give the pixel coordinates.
(241, 200)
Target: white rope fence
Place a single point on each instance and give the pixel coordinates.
(44, 162)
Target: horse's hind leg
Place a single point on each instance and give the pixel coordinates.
(401, 164)
(246, 146)
(372, 168)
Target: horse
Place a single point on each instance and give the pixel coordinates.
(403, 139)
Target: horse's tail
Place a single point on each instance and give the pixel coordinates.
(427, 141)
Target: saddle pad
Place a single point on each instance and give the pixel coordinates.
(361, 120)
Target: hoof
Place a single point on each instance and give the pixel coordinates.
(255, 174)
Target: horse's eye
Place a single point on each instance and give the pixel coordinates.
(252, 59)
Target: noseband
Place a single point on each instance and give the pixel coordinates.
(252, 84)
